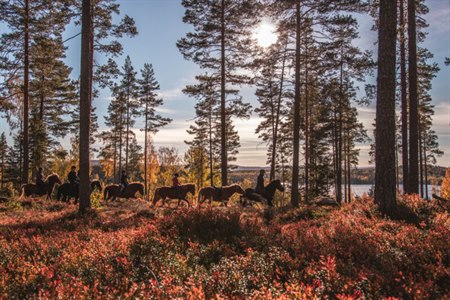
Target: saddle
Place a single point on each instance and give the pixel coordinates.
(217, 193)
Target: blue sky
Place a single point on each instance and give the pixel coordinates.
(160, 25)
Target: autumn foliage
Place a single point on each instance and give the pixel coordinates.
(132, 251)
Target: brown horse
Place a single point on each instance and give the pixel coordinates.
(113, 191)
(32, 189)
(210, 194)
(267, 195)
(167, 192)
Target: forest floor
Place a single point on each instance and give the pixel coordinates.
(130, 250)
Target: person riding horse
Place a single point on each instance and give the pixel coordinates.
(260, 183)
(176, 184)
(72, 178)
(40, 181)
(123, 181)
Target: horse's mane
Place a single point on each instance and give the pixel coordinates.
(51, 175)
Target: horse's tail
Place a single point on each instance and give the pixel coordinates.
(23, 191)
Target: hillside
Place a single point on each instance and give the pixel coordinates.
(131, 250)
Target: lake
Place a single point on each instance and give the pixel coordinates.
(359, 189)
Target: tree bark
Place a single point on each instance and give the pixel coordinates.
(307, 117)
(404, 100)
(413, 185)
(211, 163)
(277, 120)
(385, 193)
(127, 139)
(145, 149)
(85, 103)
(26, 101)
(223, 123)
(296, 129)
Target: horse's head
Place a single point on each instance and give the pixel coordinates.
(96, 185)
(278, 185)
(53, 179)
(190, 188)
(238, 189)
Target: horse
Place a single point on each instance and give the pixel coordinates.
(33, 189)
(67, 191)
(210, 193)
(113, 191)
(167, 192)
(268, 193)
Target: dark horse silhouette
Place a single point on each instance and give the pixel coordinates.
(67, 191)
(167, 192)
(269, 192)
(209, 193)
(47, 189)
(113, 191)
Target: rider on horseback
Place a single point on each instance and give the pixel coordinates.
(123, 181)
(260, 182)
(40, 179)
(176, 184)
(72, 177)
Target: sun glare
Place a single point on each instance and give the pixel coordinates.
(265, 34)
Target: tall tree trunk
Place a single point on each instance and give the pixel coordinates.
(85, 103)
(404, 99)
(145, 149)
(128, 132)
(41, 104)
(307, 117)
(335, 155)
(223, 121)
(211, 163)
(115, 157)
(296, 133)
(426, 170)
(26, 100)
(3, 169)
(420, 163)
(277, 119)
(413, 185)
(385, 194)
(349, 169)
(120, 145)
(339, 137)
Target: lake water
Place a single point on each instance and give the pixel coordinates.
(359, 189)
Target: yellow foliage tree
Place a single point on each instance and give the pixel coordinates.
(445, 187)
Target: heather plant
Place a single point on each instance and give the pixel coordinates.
(130, 250)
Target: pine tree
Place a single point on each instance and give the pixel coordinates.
(385, 192)
(85, 104)
(4, 149)
(113, 139)
(221, 43)
(208, 126)
(148, 99)
(128, 89)
(26, 20)
(271, 94)
(413, 165)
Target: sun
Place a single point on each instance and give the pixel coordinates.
(265, 34)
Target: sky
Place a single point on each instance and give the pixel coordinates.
(159, 23)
